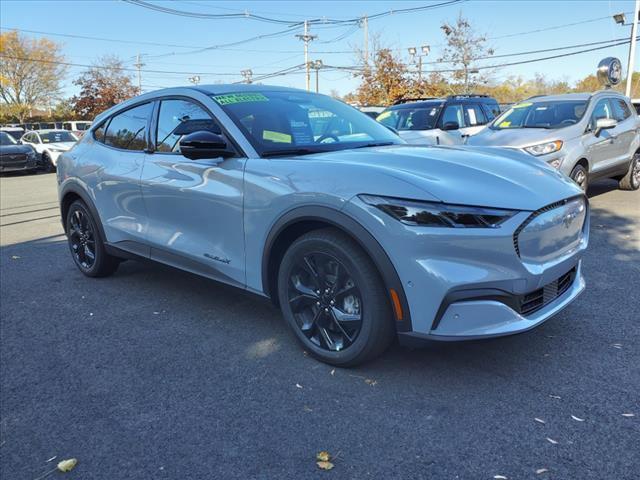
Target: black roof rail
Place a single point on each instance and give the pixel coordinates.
(416, 99)
(468, 95)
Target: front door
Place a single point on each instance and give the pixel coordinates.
(601, 148)
(194, 206)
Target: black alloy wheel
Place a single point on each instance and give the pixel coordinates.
(333, 298)
(325, 301)
(86, 244)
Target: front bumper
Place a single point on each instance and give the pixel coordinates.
(464, 284)
(29, 163)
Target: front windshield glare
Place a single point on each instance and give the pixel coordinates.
(541, 115)
(299, 122)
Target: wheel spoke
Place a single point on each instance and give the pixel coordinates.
(303, 289)
(310, 268)
(89, 254)
(327, 340)
(300, 301)
(346, 318)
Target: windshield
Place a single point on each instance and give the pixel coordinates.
(554, 114)
(6, 139)
(82, 126)
(423, 117)
(55, 137)
(299, 122)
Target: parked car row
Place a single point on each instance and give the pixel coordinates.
(357, 236)
(585, 136)
(17, 130)
(38, 149)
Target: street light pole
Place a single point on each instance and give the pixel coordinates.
(632, 48)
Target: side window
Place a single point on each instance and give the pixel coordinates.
(474, 115)
(453, 113)
(67, 126)
(35, 138)
(178, 118)
(601, 110)
(128, 130)
(621, 110)
(492, 110)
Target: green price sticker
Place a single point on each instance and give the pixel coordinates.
(231, 98)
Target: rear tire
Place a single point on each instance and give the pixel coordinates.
(580, 176)
(631, 181)
(334, 300)
(86, 244)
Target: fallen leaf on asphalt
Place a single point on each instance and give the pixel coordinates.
(556, 396)
(323, 456)
(617, 345)
(577, 419)
(552, 441)
(324, 465)
(15, 257)
(333, 371)
(370, 382)
(541, 470)
(628, 414)
(91, 314)
(298, 385)
(539, 420)
(307, 409)
(67, 465)
(500, 477)
(52, 458)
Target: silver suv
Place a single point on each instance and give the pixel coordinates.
(300, 198)
(586, 136)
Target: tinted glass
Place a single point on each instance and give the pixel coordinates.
(601, 110)
(453, 114)
(411, 118)
(128, 130)
(474, 115)
(67, 126)
(550, 115)
(278, 122)
(82, 126)
(6, 139)
(621, 110)
(176, 119)
(59, 136)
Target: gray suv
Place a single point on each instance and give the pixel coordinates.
(585, 136)
(357, 236)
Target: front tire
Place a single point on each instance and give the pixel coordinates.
(333, 298)
(631, 181)
(86, 244)
(47, 163)
(580, 176)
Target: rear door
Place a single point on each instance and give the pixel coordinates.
(194, 206)
(119, 155)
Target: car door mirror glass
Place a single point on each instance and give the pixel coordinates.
(204, 144)
(451, 126)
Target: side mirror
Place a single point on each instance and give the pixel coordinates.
(204, 144)
(604, 124)
(451, 126)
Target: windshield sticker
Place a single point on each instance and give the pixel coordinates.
(276, 136)
(433, 112)
(231, 98)
(505, 124)
(540, 108)
(301, 132)
(523, 105)
(383, 115)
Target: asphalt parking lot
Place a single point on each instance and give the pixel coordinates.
(158, 374)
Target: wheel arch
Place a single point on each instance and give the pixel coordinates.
(69, 194)
(301, 220)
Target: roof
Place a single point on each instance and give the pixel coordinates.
(571, 96)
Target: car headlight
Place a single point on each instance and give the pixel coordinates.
(435, 214)
(544, 148)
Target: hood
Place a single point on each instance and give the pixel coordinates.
(13, 149)
(519, 137)
(60, 145)
(463, 175)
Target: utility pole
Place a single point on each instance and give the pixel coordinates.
(139, 65)
(306, 38)
(247, 74)
(317, 65)
(365, 28)
(632, 48)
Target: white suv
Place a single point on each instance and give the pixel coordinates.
(49, 144)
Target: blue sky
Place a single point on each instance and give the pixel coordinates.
(131, 23)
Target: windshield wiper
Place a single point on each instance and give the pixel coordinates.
(290, 151)
(375, 144)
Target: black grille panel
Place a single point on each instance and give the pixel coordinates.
(534, 301)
